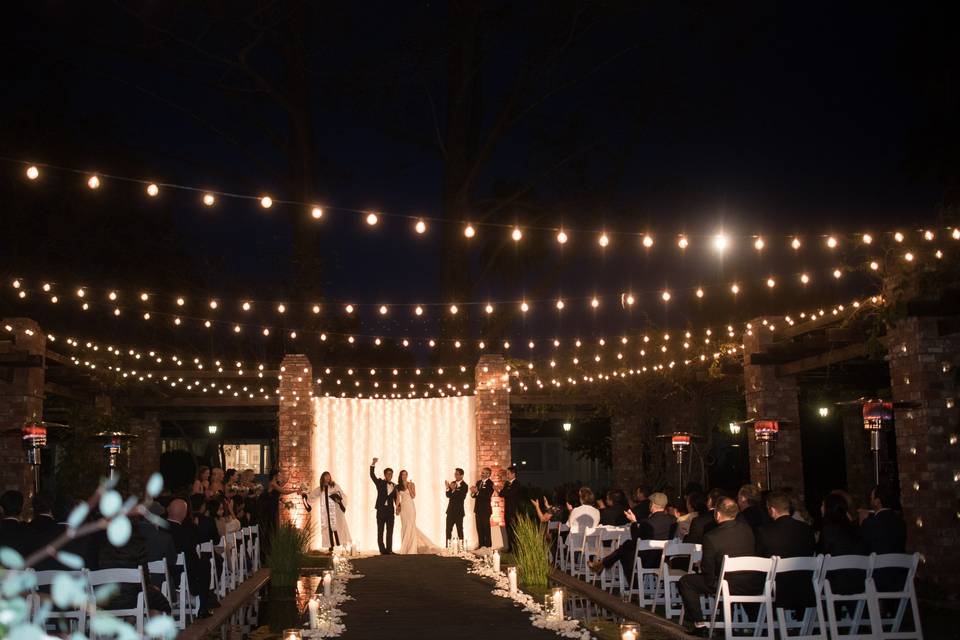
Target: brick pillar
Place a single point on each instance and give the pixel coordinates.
(856, 454)
(627, 451)
(770, 396)
(922, 370)
(21, 399)
(296, 431)
(144, 458)
(493, 413)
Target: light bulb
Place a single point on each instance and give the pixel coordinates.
(832, 242)
(214, 304)
(647, 241)
(517, 234)
(348, 308)
(928, 235)
(383, 309)
(281, 308)
(152, 190)
(181, 302)
(682, 242)
(804, 278)
(898, 236)
(594, 303)
(316, 309)
(488, 308)
(955, 234)
(93, 182)
(316, 213)
(874, 266)
(562, 237)
(372, 219)
(867, 238)
(604, 240)
(795, 243)
(560, 305)
(759, 244)
(32, 172)
(665, 296)
(420, 227)
(908, 256)
(720, 242)
(524, 307)
(735, 288)
(771, 283)
(245, 306)
(81, 293)
(144, 297)
(454, 309)
(112, 295)
(418, 310)
(837, 273)
(209, 199)
(630, 299)
(266, 202)
(469, 231)
(699, 293)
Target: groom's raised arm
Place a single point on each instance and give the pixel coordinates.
(373, 475)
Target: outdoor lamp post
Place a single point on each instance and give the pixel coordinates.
(877, 416)
(113, 444)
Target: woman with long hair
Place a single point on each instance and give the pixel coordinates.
(330, 515)
(201, 481)
(412, 540)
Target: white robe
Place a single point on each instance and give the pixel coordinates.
(338, 518)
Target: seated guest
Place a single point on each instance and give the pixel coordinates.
(13, 532)
(641, 503)
(613, 514)
(84, 547)
(839, 536)
(204, 523)
(131, 555)
(798, 509)
(731, 537)
(748, 499)
(696, 506)
(787, 537)
(586, 516)
(659, 526)
(160, 545)
(884, 531)
(705, 520)
(42, 530)
(185, 541)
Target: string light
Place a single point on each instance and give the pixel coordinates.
(348, 308)
(562, 237)
(209, 199)
(372, 219)
(898, 236)
(469, 231)
(699, 292)
(604, 240)
(383, 309)
(955, 234)
(594, 303)
(867, 238)
(316, 213)
(517, 235)
(804, 278)
(315, 309)
(33, 172)
(214, 304)
(874, 265)
(266, 202)
(734, 288)
(928, 235)
(453, 309)
(908, 256)
(832, 242)
(758, 244)
(647, 241)
(720, 242)
(153, 190)
(837, 273)
(245, 306)
(418, 310)
(93, 182)
(665, 296)
(181, 302)
(420, 227)
(795, 243)
(771, 283)
(560, 305)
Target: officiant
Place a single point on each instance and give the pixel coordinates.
(330, 515)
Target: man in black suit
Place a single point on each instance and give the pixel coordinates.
(185, 541)
(456, 494)
(510, 492)
(733, 538)
(659, 526)
(706, 521)
(386, 505)
(481, 493)
(787, 537)
(748, 499)
(42, 530)
(13, 532)
(614, 513)
(641, 503)
(160, 544)
(884, 531)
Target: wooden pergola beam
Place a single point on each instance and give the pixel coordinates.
(218, 402)
(836, 356)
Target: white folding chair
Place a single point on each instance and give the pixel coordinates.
(610, 540)
(845, 610)
(228, 572)
(159, 568)
(643, 582)
(575, 566)
(878, 602)
(75, 619)
(592, 550)
(736, 617)
(255, 535)
(120, 577)
(208, 548)
(241, 558)
(667, 590)
(187, 605)
(812, 626)
(560, 555)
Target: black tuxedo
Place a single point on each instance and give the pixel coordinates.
(482, 510)
(754, 516)
(885, 532)
(385, 505)
(699, 527)
(787, 537)
(511, 494)
(455, 513)
(198, 572)
(732, 538)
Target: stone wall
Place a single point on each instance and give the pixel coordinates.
(627, 452)
(21, 400)
(492, 413)
(296, 431)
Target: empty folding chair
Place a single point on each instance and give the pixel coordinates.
(643, 582)
(159, 568)
(255, 555)
(845, 597)
(736, 607)
(672, 568)
(574, 545)
(799, 575)
(890, 588)
(74, 620)
(121, 577)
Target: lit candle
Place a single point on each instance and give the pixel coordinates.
(512, 575)
(314, 609)
(327, 583)
(291, 634)
(496, 561)
(558, 603)
(629, 632)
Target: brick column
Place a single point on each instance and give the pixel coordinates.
(144, 458)
(296, 431)
(922, 370)
(770, 396)
(493, 413)
(21, 399)
(627, 451)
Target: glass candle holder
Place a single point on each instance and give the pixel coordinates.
(629, 631)
(291, 634)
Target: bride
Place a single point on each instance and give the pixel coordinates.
(412, 540)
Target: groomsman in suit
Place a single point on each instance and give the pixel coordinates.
(482, 492)
(510, 492)
(385, 506)
(456, 494)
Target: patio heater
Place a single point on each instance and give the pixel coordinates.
(766, 431)
(878, 416)
(113, 443)
(34, 435)
(680, 443)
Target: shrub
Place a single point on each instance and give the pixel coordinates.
(532, 551)
(288, 551)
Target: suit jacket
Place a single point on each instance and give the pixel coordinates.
(160, 546)
(386, 494)
(185, 541)
(41, 531)
(613, 515)
(481, 502)
(754, 516)
(455, 497)
(787, 537)
(511, 498)
(642, 509)
(883, 532)
(659, 526)
(14, 534)
(699, 527)
(732, 538)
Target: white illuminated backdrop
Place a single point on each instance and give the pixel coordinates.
(428, 437)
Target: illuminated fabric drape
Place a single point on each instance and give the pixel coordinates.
(428, 437)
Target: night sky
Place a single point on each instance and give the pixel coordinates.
(753, 117)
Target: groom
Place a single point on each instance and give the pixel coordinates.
(456, 493)
(385, 505)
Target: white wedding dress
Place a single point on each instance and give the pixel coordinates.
(412, 540)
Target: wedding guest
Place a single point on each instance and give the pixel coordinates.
(13, 532)
(798, 509)
(42, 530)
(215, 486)
(705, 520)
(748, 499)
(696, 507)
(641, 504)
(83, 547)
(614, 513)
(130, 555)
(160, 545)
(586, 516)
(659, 526)
(185, 540)
(202, 480)
(839, 536)
(787, 537)
(884, 531)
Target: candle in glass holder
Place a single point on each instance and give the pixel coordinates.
(629, 632)
(291, 634)
(512, 576)
(496, 561)
(327, 583)
(313, 607)
(557, 596)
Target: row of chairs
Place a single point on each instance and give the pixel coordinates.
(240, 553)
(842, 615)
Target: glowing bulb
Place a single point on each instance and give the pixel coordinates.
(316, 213)
(93, 182)
(898, 236)
(469, 231)
(867, 238)
(630, 299)
(266, 202)
(214, 304)
(181, 302)
(604, 240)
(804, 278)
(759, 244)
(349, 308)
(771, 283)
(245, 306)
(420, 227)
(488, 308)
(956, 234)
(81, 293)
(795, 243)
(594, 303)
(908, 257)
(281, 308)
(665, 296)
(832, 242)
(735, 288)
(682, 242)
(453, 309)
(928, 235)
(383, 309)
(32, 172)
(152, 190)
(699, 293)
(418, 310)
(524, 307)
(562, 237)
(560, 305)
(837, 273)
(209, 199)
(112, 295)
(372, 219)
(144, 297)
(720, 242)
(647, 241)
(874, 266)
(517, 234)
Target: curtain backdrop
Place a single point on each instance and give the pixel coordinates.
(428, 437)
